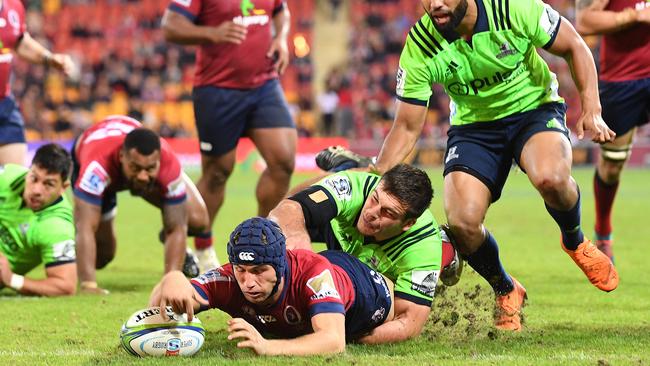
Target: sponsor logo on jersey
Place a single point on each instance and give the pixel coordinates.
(378, 315)
(505, 50)
(452, 154)
(323, 286)
(267, 318)
(185, 3)
(474, 86)
(341, 186)
(318, 196)
(95, 179)
(64, 251)
(549, 20)
(292, 316)
(176, 188)
(401, 80)
(424, 282)
(250, 15)
(452, 68)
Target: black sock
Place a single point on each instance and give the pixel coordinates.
(569, 223)
(486, 262)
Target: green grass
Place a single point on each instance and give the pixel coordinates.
(567, 321)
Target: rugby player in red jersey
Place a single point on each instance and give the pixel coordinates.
(15, 38)
(310, 303)
(118, 154)
(624, 83)
(236, 90)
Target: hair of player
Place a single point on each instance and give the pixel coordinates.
(143, 140)
(54, 159)
(411, 187)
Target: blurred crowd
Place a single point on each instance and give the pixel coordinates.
(126, 67)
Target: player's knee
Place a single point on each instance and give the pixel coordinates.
(610, 171)
(282, 169)
(551, 184)
(198, 220)
(467, 233)
(217, 177)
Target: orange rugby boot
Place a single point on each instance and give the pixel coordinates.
(595, 264)
(507, 315)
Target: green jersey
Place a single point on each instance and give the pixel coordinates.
(28, 238)
(411, 260)
(494, 75)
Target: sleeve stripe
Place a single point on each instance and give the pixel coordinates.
(426, 31)
(424, 40)
(501, 21)
(175, 200)
(182, 11)
(326, 307)
(503, 26)
(410, 242)
(396, 249)
(58, 263)
(550, 41)
(494, 14)
(424, 50)
(95, 200)
(412, 298)
(419, 102)
(508, 14)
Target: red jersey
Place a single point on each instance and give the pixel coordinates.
(312, 286)
(228, 65)
(12, 27)
(625, 55)
(100, 170)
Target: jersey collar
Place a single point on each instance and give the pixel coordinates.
(482, 24)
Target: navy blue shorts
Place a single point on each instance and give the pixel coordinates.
(626, 104)
(486, 149)
(109, 199)
(224, 115)
(372, 299)
(12, 127)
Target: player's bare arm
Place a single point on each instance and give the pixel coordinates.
(328, 337)
(288, 214)
(61, 280)
(279, 47)
(175, 228)
(32, 51)
(408, 322)
(86, 217)
(406, 129)
(569, 45)
(592, 18)
(176, 291)
(178, 29)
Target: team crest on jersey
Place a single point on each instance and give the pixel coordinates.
(424, 282)
(341, 186)
(64, 251)
(549, 20)
(291, 315)
(95, 179)
(212, 276)
(323, 286)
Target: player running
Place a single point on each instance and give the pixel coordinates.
(117, 154)
(624, 92)
(309, 303)
(505, 106)
(36, 224)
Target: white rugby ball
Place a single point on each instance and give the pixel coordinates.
(149, 333)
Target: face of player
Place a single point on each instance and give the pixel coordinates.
(42, 188)
(382, 216)
(256, 281)
(140, 170)
(445, 14)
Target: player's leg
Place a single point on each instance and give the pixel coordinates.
(611, 161)
(546, 157)
(198, 224)
(273, 132)
(105, 234)
(13, 149)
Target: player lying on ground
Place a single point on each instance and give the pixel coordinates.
(117, 154)
(313, 303)
(36, 224)
(385, 222)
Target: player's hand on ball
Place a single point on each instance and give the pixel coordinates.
(228, 32)
(594, 123)
(251, 338)
(177, 292)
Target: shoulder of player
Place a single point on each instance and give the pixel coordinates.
(415, 244)
(427, 40)
(59, 213)
(12, 177)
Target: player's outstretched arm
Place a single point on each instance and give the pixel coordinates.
(288, 214)
(175, 228)
(86, 217)
(61, 280)
(569, 45)
(32, 51)
(408, 322)
(178, 29)
(592, 18)
(407, 127)
(328, 337)
(176, 291)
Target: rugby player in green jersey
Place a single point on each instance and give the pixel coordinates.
(383, 221)
(36, 224)
(504, 106)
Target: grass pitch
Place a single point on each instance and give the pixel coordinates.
(567, 320)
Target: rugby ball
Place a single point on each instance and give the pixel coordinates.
(148, 333)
